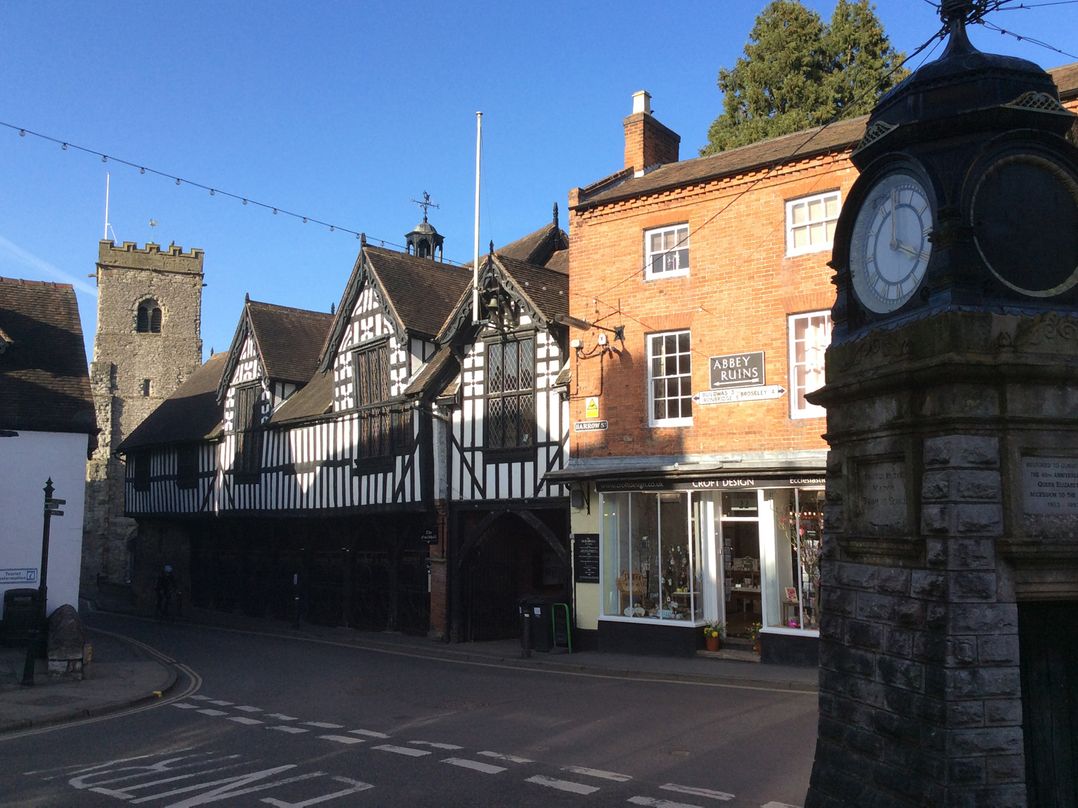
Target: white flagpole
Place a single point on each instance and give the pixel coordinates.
(105, 237)
(475, 265)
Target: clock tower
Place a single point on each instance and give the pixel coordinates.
(949, 624)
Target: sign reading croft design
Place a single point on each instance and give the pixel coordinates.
(715, 483)
(737, 370)
(1051, 485)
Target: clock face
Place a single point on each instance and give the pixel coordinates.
(889, 247)
(1025, 225)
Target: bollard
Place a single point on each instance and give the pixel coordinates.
(526, 633)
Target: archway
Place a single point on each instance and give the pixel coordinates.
(508, 556)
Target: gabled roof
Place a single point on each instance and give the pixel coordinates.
(288, 341)
(190, 414)
(540, 246)
(547, 290)
(419, 293)
(315, 399)
(44, 383)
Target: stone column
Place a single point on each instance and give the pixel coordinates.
(952, 498)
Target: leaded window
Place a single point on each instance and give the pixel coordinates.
(187, 465)
(385, 429)
(510, 375)
(247, 423)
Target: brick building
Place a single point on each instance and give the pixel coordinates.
(701, 296)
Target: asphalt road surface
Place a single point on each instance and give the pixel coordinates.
(275, 721)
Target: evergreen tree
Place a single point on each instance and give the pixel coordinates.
(798, 72)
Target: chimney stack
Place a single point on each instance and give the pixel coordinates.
(647, 142)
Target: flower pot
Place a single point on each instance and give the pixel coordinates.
(713, 643)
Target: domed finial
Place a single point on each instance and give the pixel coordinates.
(492, 246)
(955, 15)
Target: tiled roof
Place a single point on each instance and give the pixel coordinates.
(421, 291)
(537, 247)
(436, 368)
(785, 148)
(44, 383)
(189, 414)
(547, 288)
(290, 340)
(315, 399)
(1066, 79)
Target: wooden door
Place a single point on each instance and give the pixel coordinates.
(1048, 641)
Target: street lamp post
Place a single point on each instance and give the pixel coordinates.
(37, 632)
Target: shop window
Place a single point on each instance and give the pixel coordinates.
(799, 538)
(670, 379)
(809, 335)
(247, 425)
(666, 252)
(148, 319)
(510, 413)
(652, 562)
(810, 223)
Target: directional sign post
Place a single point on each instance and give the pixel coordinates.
(52, 508)
(736, 394)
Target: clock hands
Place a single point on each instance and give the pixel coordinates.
(894, 223)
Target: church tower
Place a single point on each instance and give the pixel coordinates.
(149, 320)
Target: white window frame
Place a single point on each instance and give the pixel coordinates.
(675, 240)
(651, 342)
(808, 224)
(813, 365)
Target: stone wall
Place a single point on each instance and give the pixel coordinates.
(131, 374)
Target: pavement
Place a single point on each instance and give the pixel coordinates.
(125, 674)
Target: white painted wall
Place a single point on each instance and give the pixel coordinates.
(26, 462)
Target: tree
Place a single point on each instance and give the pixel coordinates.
(797, 72)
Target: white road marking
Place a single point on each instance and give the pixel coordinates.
(201, 698)
(221, 702)
(475, 765)
(562, 785)
(599, 773)
(369, 733)
(503, 756)
(246, 709)
(707, 793)
(654, 803)
(435, 745)
(210, 711)
(341, 739)
(292, 730)
(184, 705)
(402, 750)
(242, 719)
(281, 717)
(322, 725)
(355, 786)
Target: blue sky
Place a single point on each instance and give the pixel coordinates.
(345, 112)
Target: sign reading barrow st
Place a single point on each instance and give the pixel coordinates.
(590, 426)
(25, 575)
(737, 370)
(739, 394)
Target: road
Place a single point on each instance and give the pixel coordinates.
(268, 720)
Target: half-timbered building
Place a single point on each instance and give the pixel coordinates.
(504, 421)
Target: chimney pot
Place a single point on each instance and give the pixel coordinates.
(642, 102)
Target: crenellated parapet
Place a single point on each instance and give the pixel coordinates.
(129, 255)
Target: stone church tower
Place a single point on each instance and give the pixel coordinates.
(149, 320)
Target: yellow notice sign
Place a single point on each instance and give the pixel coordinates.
(591, 407)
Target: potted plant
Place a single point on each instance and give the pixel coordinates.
(713, 632)
(754, 635)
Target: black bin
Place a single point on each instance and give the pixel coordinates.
(542, 632)
(20, 614)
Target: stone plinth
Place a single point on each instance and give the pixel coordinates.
(952, 500)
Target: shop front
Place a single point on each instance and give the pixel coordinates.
(675, 554)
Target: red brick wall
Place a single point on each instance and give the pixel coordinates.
(739, 291)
